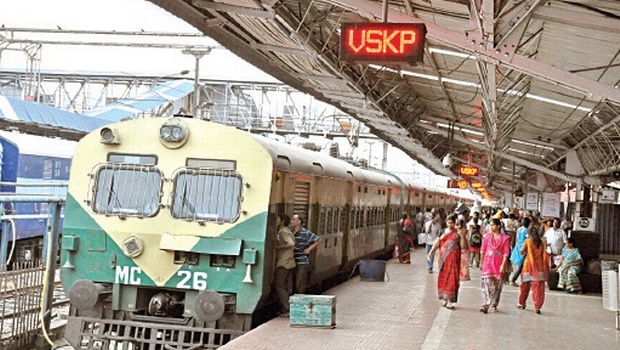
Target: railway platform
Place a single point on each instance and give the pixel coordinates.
(404, 313)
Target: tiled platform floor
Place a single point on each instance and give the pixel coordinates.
(404, 313)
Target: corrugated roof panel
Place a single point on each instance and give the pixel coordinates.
(160, 95)
(35, 113)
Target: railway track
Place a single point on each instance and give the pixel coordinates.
(20, 305)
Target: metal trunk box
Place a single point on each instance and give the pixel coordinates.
(313, 310)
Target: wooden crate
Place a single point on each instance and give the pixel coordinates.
(313, 310)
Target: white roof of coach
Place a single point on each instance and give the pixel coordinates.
(306, 161)
(39, 145)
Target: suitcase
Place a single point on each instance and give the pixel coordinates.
(313, 310)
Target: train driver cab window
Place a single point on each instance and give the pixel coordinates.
(127, 190)
(207, 194)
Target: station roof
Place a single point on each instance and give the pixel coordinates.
(156, 97)
(39, 119)
(519, 88)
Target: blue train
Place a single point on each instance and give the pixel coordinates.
(31, 162)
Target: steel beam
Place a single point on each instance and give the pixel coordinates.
(544, 71)
(523, 162)
(239, 10)
(577, 19)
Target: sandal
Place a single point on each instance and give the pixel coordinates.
(521, 307)
(450, 307)
(484, 309)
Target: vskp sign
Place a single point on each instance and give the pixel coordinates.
(382, 42)
(469, 170)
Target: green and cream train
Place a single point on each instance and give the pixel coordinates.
(169, 228)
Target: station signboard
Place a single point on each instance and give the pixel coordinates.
(382, 42)
(469, 170)
(460, 184)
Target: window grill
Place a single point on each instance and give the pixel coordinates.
(206, 194)
(127, 190)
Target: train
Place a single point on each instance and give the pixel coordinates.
(169, 228)
(31, 165)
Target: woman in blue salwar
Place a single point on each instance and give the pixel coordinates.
(516, 257)
(570, 267)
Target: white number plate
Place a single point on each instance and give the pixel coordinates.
(189, 280)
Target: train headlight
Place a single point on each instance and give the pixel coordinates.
(109, 136)
(173, 133)
(165, 132)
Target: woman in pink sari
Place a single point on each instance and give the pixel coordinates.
(448, 280)
(494, 256)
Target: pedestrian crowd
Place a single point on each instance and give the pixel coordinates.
(509, 247)
(506, 246)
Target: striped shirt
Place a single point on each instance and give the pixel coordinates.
(303, 239)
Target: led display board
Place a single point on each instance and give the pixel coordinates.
(460, 184)
(469, 170)
(382, 42)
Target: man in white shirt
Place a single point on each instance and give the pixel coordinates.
(433, 231)
(555, 238)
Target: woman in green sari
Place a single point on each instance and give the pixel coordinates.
(570, 267)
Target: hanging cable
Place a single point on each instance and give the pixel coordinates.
(46, 286)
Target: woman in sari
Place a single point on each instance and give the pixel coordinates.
(535, 270)
(494, 256)
(448, 280)
(462, 230)
(570, 266)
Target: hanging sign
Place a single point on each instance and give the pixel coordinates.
(382, 42)
(469, 170)
(460, 184)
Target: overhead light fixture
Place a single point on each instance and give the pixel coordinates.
(447, 160)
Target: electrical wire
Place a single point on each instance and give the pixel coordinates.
(48, 258)
(14, 243)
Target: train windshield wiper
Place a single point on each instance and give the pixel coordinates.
(186, 203)
(113, 196)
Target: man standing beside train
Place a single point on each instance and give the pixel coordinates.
(285, 262)
(305, 242)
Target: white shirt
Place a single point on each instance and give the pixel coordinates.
(555, 240)
(432, 232)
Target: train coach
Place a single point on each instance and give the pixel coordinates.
(31, 165)
(170, 226)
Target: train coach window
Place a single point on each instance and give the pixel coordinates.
(202, 194)
(127, 190)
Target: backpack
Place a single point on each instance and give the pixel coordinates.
(475, 239)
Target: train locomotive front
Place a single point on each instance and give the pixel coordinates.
(165, 235)
(169, 229)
